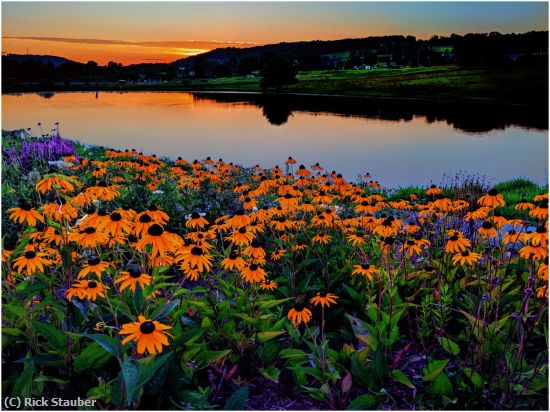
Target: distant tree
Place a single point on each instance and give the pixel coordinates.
(247, 65)
(277, 72)
(172, 72)
(221, 70)
(311, 63)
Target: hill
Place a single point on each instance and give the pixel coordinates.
(56, 61)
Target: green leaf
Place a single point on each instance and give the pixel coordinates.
(449, 345)
(43, 378)
(441, 386)
(400, 377)
(475, 377)
(361, 403)
(207, 358)
(130, 376)
(107, 342)
(16, 310)
(237, 401)
(265, 336)
(150, 365)
(292, 354)
(434, 368)
(23, 384)
(270, 303)
(52, 334)
(165, 310)
(90, 358)
(271, 373)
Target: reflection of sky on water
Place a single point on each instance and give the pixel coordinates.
(175, 124)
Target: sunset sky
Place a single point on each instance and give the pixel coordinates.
(142, 32)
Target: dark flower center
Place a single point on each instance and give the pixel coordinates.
(493, 192)
(152, 208)
(102, 183)
(541, 229)
(255, 243)
(386, 222)
(389, 240)
(155, 230)
(232, 256)
(195, 215)
(512, 232)
(132, 239)
(247, 200)
(242, 230)
(94, 261)
(134, 273)
(298, 307)
(429, 269)
(288, 196)
(323, 294)
(26, 206)
(89, 230)
(239, 213)
(253, 267)
(465, 253)
(102, 213)
(30, 254)
(145, 218)
(454, 238)
(364, 203)
(487, 225)
(196, 251)
(410, 242)
(116, 217)
(92, 284)
(147, 327)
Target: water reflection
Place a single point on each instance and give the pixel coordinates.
(471, 118)
(400, 143)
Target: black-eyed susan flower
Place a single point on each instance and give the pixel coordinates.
(512, 236)
(524, 204)
(232, 262)
(268, 284)
(322, 239)
(150, 335)
(89, 237)
(434, 191)
(86, 289)
(539, 237)
(540, 211)
(531, 252)
(196, 258)
(278, 254)
(487, 230)
(31, 262)
(356, 239)
(323, 299)
(239, 219)
(25, 213)
(255, 250)
(253, 273)
(196, 221)
(457, 243)
(492, 199)
(466, 258)
(158, 238)
(95, 266)
(131, 278)
(116, 224)
(54, 182)
(366, 270)
(241, 237)
(299, 314)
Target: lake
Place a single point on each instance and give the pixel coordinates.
(397, 142)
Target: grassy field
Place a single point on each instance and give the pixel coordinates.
(527, 86)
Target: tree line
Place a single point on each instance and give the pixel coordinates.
(284, 59)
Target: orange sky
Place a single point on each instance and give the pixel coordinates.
(136, 32)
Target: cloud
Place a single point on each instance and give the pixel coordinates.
(185, 44)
